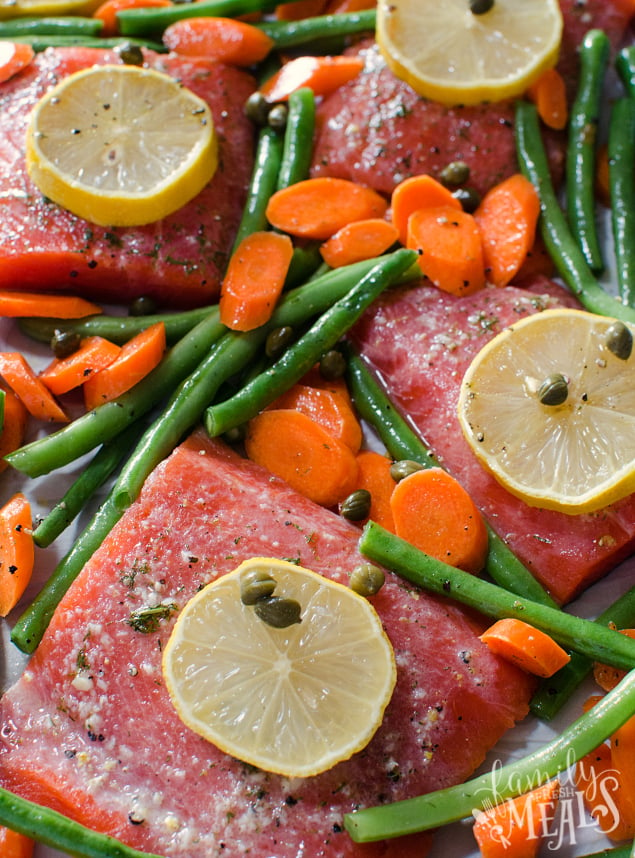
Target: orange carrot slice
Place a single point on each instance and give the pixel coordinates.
(507, 218)
(596, 778)
(317, 208)
(108, 10)
(326, 407)
(549, 94)
(607, 676)
(15, 845)
(362, 239)
(13, 425)
(293, 446)
(94, 354)
(375, 477)
(515, 828)
(418, 192)
(314, 378)
(17, 553)
(531, 649)
(14, 56)
(335, 7)
(622, 757)
(433, 512)
(254, 280)
(35, 395)
(450, 247)
(24, 304)
(321, 74)
(136, 359)
(225, 40)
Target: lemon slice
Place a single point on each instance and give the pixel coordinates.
(38, 8)
(548, 406)
(121, 145)
(294, 700)
(449, 54)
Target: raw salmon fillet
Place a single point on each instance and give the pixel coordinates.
(421, 341)
(179, 260)
(89, 728)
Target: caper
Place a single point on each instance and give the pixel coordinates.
(144, 305)
(257, 108)
(130, 54)
(403, 468)
(554, 390)
(256, 585)
(332, 365)
(454, 174)
(356, 506)
(468, 197)
(279, 612)
(480, 7)
(65, 343)
(619, 340)
(277, 117)
(367, 579)
(278, 340)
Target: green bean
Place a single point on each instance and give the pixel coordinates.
(103, 423)
(581, 152)
(554, 692)
(621, 155)
(458, 802)
(91, 478)
(625, 65)
(142, 21)
(287, 34)
(59, 832)
(40, 43)
(264, 179)
(402, 442)
(117, 329)
(232, 353)
(563, 249)
(304, 263)
(298, 138)
(307, 350)
(70, 25)
(597, 642)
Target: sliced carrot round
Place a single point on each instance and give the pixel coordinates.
(224, 40)
(528, 647)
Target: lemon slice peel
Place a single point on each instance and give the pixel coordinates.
(575, 457)
(293, 701)
(448, 54)
(121, 145)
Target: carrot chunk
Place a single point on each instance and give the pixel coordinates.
(326, 407)
(597, 779)
(94, 354)
(362, 239)
(225, 40)
(300, 451)
(13, 425)
(418, 192)
(606, 675)
(549, 94)
(622, 757)
(507, 218)
(299, 9)
(433, 512)
(375, 477)
(254, 280)
(136, 359)
(321, 74)
(318, 208)
(35, 395)
(450, 247)
(15, 845)
(108, 10)
(515, 828)
(17, 552)
(528, 647)
(22, 304)
(14, 56)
